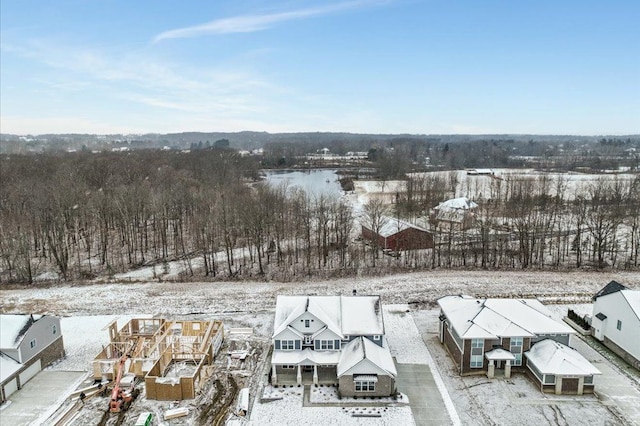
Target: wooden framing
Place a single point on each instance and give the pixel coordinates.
(191, 346)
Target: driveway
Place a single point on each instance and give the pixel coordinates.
(40, 397)
(427, 406)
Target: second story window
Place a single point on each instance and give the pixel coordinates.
(307, 323)
(619, 325)
(32, 344)
(286, 345)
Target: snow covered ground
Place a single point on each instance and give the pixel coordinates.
(86, 310)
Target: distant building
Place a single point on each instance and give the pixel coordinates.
(28, 343)
(616, 320)
(456, 211)
(397, 235)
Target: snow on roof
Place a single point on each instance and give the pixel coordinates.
(8, 366)
(344, 315)
(462, 203)
(13, 328)
(393, 225)
(313, 357)
(633, 298)
(494, 318)
(361, 315)
(363, 348)
(551, 357)
(500, 354)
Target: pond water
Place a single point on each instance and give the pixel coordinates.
(314, 182)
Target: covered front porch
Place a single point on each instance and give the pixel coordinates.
(500, 361)
(304, 367)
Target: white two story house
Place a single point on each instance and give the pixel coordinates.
(616, 320)
(332, 339)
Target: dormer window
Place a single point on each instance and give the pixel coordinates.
(376, 337)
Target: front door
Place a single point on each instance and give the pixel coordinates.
(498, 365)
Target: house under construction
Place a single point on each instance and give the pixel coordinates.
(169, 355)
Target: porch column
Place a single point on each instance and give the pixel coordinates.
(492, 369)
(507, 369)
(274, 376)
(299, 376)
(558, 385)
(315, 374)
(581, 385)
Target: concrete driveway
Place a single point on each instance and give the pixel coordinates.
(40, 397)
(416, 381)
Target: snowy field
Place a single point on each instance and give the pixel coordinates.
(410, 311)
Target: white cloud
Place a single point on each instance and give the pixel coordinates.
(252, 23)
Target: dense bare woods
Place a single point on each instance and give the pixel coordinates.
(89, 215)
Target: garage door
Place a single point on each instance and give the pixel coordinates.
(10, 388)
(27, 374)
(569, 385)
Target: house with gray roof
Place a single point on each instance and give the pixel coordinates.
(332, 340)
(28, 343)
(616, 320)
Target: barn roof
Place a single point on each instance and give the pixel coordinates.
(393, 225)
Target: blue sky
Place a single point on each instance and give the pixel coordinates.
(368, 66)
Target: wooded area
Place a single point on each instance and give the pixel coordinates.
(95, 215)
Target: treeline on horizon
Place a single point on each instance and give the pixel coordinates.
(444, 151)
(86, 215)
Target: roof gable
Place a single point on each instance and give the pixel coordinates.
(343, 315)
(14, 327)
(633, 299)
(612, 287)
(362, 350)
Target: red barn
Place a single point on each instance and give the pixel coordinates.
(397, 235)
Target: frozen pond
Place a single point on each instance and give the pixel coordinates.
(314, 182)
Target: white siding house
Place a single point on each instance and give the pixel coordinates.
(616, 320)
(28, 343)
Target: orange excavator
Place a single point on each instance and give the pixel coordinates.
(120, 397)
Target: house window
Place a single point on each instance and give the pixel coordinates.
(549, 379)
(286, 345)
(477, 350)
(326, 345)
(376, 337)
(365, 386)
(588, 380)
(288, 367)
(55, 329)
(619, 325)
(32, 344)
(307, 323)
(515, 347)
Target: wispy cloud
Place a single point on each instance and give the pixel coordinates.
(252, 23)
